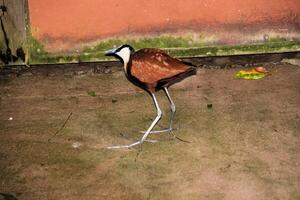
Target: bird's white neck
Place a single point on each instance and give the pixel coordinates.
(125, 65)
(125, 56)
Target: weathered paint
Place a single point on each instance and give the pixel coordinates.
(69, 26)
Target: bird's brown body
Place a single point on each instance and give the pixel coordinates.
(155, 69)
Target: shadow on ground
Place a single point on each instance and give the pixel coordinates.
(246, 146)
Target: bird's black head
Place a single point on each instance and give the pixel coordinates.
(120, 51)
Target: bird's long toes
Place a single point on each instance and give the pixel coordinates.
(151, 141)
(159, 131)
(125, 146)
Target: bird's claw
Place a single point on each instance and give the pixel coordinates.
(131, 145)
(161, 131)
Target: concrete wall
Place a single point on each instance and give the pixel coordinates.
(69, 26)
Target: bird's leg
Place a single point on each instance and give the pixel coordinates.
(173, 110)
(158, 117)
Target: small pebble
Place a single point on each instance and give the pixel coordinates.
(76, 145)
(10, 119)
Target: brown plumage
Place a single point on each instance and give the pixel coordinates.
(152, 70)
(154, 67)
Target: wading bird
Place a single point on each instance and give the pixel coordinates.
(152, 70)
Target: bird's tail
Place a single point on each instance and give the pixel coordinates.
(192, 70)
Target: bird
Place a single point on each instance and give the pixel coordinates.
(152, 70)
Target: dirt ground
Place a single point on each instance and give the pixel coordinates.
(245, 147)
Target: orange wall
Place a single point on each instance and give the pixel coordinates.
(70, 21)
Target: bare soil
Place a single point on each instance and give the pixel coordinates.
(245, 147)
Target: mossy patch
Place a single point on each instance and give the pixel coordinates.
(175, 46)
(36, 49)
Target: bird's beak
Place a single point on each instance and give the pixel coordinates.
(110, 52)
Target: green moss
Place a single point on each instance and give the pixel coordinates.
(278, 39)
(164, 41)
(35, 48)
(188, 46)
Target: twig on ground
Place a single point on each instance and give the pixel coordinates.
(182, 140)
(178, 138)
(59, 130)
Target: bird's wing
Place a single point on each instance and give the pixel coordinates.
(152, 65)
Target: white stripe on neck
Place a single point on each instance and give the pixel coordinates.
(125, 55)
